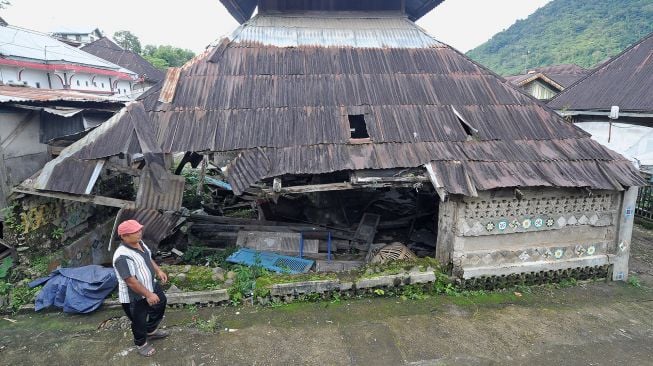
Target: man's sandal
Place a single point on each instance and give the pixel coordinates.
(157, 334)
(146, 350)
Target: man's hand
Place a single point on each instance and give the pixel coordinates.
(152, 299)
(162, 276)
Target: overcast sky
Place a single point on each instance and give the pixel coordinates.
(193, 24)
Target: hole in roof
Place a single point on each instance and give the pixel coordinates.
(469, 129)
(357, 126)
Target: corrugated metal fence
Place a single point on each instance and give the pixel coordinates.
(645, 200)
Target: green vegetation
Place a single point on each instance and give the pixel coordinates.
(160, 56)
(5, 266)
(634, 281)
(191, 199)
(583, 32)
(200, 256)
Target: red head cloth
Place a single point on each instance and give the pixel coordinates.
(129, 227)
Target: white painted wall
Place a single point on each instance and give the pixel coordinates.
(125, 88)
(35, 78)
(633, 142)
(8, 74)
(101, 84)
(79, 81)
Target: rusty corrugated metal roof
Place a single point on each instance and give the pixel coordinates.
(286, 109)
(624, 81)
(15, 94)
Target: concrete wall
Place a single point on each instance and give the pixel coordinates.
(22, 154)
(35, 78)
(547, 229)
(8, 74)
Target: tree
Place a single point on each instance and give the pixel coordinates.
(166, 56)
(127, 40)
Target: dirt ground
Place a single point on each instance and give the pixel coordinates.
(594, 323)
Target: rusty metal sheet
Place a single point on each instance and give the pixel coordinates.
(157, 225)
(9, 94)
(170, 85)
(148, 196)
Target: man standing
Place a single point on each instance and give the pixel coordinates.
(141, 295)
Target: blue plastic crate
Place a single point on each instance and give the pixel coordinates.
(271, 261)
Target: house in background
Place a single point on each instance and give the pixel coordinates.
(148, 75)
(546, 82)
(77, 36)
(36, 60)
(615, 102)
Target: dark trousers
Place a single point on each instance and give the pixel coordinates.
(145, 318)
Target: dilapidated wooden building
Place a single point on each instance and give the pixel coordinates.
(324, 96)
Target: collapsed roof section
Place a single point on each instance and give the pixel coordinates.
(329, 92)
(282, 90)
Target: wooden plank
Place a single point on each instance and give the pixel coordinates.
(336, 187)
(279, 242)
(367, 228)
(445, 235)
(98, 200)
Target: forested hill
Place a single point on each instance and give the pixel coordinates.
(582, 32)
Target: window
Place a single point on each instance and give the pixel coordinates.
(78, 83)
(95, 84)
(124, 91)
(118, 91)
(357, 126)
(86, 82)
(38, 85)
(102, 85)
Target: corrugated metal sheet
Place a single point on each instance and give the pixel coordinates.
(157, 226)
(22, 43)
(170, 85)
(105, 49)
(625, 81)
(168, 199)
(490, 164)
(72, 171)
(13, 94)
(333, 31)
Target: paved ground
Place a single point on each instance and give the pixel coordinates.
(590, 324)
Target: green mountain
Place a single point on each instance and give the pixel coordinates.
(582, 32)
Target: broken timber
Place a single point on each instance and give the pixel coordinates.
(98, 200)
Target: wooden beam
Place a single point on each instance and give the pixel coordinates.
(122, 169)
(97, 200)
(336, 187)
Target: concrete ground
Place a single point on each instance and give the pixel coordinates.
(594, 323)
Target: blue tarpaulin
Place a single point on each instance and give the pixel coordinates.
(76, 290)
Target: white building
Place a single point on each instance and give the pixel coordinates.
(77, 36)
(36, 60)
